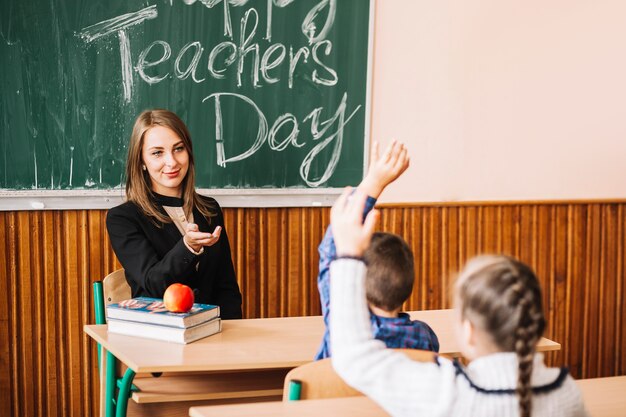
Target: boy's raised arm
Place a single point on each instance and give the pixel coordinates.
(384, 169)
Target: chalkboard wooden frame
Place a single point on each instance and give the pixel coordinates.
(47, 199)
(105, 199)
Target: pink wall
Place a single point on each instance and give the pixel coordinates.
(503, 100)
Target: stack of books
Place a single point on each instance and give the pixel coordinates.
(148, 317)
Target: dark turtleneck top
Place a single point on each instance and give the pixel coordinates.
(155, 256)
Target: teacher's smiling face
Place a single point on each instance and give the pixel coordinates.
(166, 160)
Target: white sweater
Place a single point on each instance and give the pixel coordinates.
(407, 388)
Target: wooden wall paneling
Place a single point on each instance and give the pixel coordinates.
(70, 292)
(543, 253)
(315, 230)
(248, 234)
(14, 333)
(555, 285)
(38, 295)
(425, 247)
(262, 268)
(306, 275)
(275, 283)
(489, 236)
(608, 290)
(591, 306)
(271, 276)
(573, 346)
(510, 238)
(470, 235)
(451, 254)
(230, 222)
(281, 242)
(8, 389)
(621, 279)
(292, 255)
(101, 263)
(24, 309)
(50, 319)
(433, 287)
(619, 288)
(527, 234)
(601, 299)
(61, 313)
(413, 236)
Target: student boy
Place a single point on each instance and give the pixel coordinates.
(389, 280)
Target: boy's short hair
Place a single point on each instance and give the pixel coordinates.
(390, 271)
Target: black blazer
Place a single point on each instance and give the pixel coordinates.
(154, 257)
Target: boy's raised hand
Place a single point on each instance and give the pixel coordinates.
(351, 236)
(385, 169)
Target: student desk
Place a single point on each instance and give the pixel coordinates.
(249, 345)
(604, 397)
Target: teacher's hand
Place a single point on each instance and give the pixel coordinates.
(196, 239)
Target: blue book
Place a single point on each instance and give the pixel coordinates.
(153, 311)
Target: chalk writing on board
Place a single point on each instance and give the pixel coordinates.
(225, 59)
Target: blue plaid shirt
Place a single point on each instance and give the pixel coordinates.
(396, 332)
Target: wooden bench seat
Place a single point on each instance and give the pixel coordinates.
(204, 386)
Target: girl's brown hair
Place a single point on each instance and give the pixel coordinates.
(138, 183)
(501, 296)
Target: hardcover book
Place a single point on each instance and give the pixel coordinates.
(152, 310)
(166, 333)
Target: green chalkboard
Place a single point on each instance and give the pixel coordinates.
(274, 91)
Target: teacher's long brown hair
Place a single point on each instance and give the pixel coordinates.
(138, 183)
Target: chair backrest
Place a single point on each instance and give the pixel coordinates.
(112, 289)
(317, 380)
(116, 287)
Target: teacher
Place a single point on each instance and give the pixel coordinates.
(166, 232)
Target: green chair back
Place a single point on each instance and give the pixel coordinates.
(116, 406)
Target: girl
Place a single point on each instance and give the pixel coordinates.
(499, 321)
(166, 232)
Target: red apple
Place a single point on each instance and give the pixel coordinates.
(178, 298)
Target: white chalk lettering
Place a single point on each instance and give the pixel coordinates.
(219, 132)
(142, 64)
(244, 49)
(263, 66)
(323, 81)
(250, 51)
(119, 25)
(320, 130)
(213, 56)
(270, 10)
(193, 65)
(305, 168)
(228, 26)
(293, 61)
(292, 137)
(309, 28)
(267, 66)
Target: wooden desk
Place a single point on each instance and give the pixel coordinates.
(246, 345)
(335, 407)
(604, 397)
(442, 322)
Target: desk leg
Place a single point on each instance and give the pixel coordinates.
(103, 381)
(111, 382)
(107, 383)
